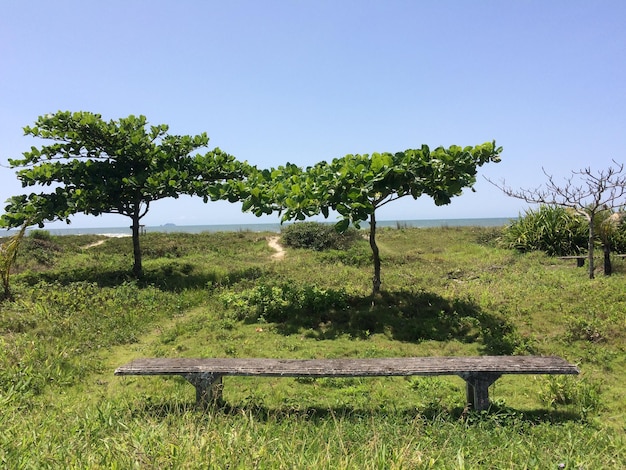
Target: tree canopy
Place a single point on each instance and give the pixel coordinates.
(355, 186)
(118, 166)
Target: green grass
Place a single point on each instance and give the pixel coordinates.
(77, 315)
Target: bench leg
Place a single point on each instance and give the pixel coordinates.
(478, 388)
(580, 262)
(208, 388)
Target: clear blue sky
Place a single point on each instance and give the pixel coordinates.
(304, 81)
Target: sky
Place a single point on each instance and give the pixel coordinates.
(279, 81)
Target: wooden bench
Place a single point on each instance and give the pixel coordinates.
(479, 372)
(580, 259)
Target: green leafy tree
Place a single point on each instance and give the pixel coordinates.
(355, 186)
(120, 166)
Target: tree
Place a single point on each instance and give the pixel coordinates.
(119, 167)
(587, 193)
(357, 185)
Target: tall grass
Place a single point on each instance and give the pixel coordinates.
(446, 291)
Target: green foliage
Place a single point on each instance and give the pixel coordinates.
(357, 255)
(118, 434)
(593, 196)
(560, 232)
(53, 335)
(317, 236)
(114, 167)
(40, 235)
(501, 337)
(280, 303)
(565, 390)
(403, 316)
(38, 252)
(118, 167)
(356, 185)
(552, 229)
(618, 239)
(489, 236)
(587, 328)
(449, 294)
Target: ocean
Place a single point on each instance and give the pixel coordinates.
(272, 227)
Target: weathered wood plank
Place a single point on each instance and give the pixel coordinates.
(580, 259)
(350, 367)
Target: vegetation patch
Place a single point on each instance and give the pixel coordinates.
(318, 236)
(555, 230)
(446, 292)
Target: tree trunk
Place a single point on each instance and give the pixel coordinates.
(376, 256)
(137, 268)
(592, 235)
(608, 267)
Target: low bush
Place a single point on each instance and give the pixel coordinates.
(278, 303)
(489, 236)
(565, 390)
(357, 255)
(37, 251)
(40, 235)
(317, 236)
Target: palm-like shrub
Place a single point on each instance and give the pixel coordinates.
(552, 229)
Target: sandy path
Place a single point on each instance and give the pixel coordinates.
(91, 245)
(277, 247)
(271, 241)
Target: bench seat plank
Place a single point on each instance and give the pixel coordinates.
(350, 367)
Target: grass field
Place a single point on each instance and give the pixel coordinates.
(77, 315)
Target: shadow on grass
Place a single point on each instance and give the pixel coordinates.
(172, 277)
(408, 316)
(432, 414)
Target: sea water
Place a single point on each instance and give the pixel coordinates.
(271, 227)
